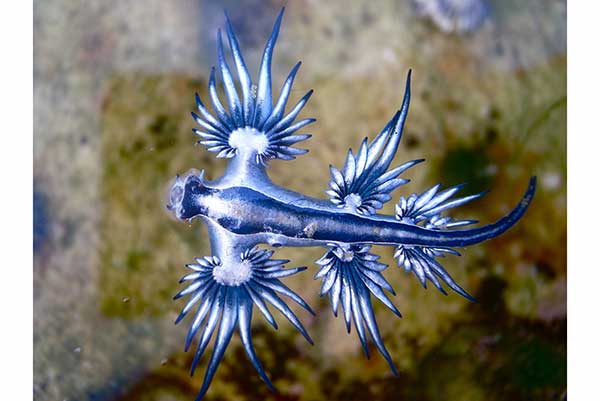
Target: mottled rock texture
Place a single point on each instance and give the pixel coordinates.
(114, 85)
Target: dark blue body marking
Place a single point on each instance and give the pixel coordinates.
(256, 213)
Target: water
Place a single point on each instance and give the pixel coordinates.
(114, 85)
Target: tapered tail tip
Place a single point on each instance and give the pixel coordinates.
(532, 186)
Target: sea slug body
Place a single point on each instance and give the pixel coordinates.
(244, 209)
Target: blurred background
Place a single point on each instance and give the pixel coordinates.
(114, 84)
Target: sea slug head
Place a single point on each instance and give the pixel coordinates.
(188, 196)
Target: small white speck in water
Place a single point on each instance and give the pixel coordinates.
(491, 169)
(77, 350)
(389, 56)
(551, 180)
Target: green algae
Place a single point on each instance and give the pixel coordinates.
(143, 250)
(466, 165)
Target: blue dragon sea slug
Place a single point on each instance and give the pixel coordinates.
(245, 210)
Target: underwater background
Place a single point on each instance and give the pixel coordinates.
(114, 85)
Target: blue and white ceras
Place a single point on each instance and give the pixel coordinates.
(244, 209)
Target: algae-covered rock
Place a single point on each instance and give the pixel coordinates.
(113, 128)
